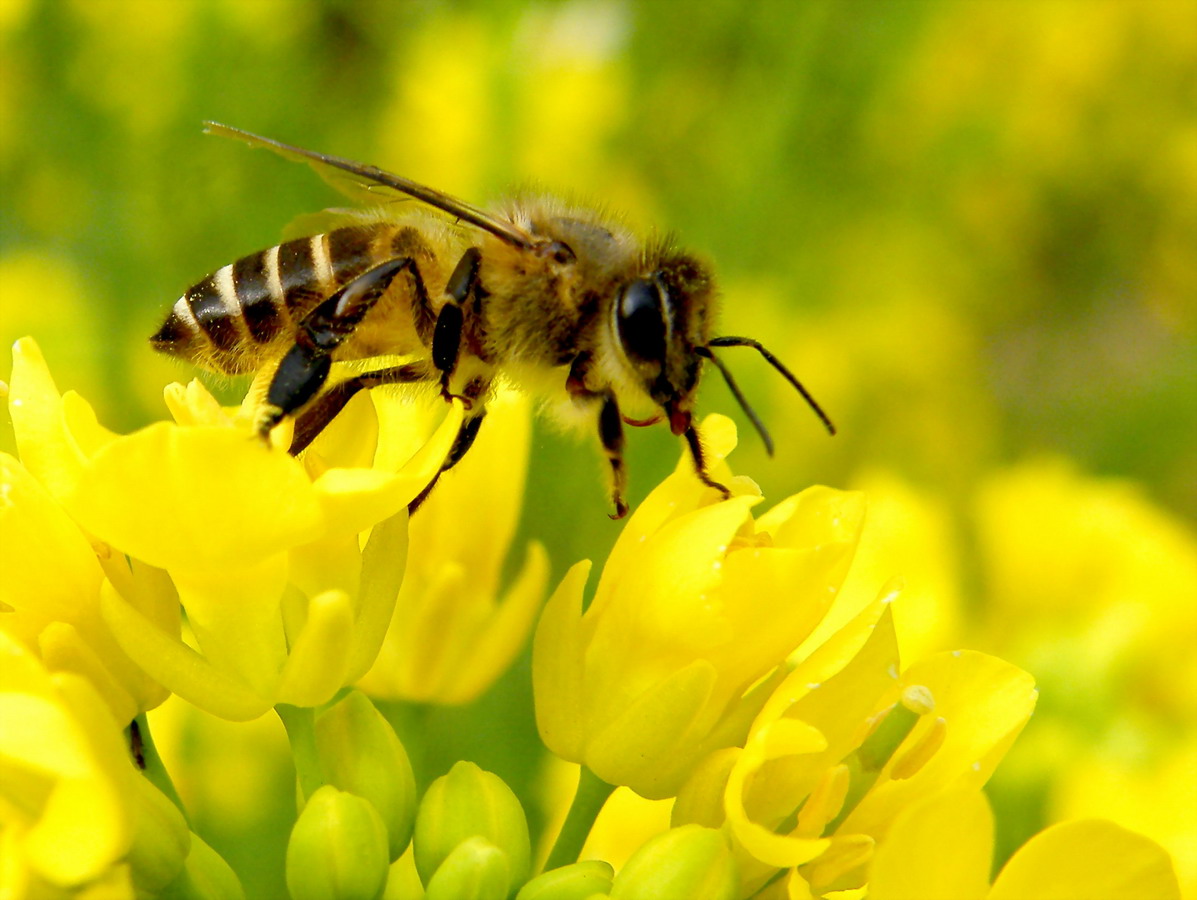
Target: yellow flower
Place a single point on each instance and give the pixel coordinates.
(942, 846)
(65, 782)
(845, 744)
(50, 592)
(453, 633)
(698, 602)
(283, 601)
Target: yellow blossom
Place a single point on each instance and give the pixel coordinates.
(453, 632)
(283, 601)
(65, 782)
(942, 846)
(697, 602)
(845, 744)
(50, 593)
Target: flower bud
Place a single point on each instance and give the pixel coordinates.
(161, 839)
(338, 849)
(205, 876)
(681, 864)
(577, 881)
(360, 753)
(466, 803)
(475, 870)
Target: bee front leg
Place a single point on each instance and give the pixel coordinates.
(611, 434)
(450, 321)
(700, 463)
(305, 367)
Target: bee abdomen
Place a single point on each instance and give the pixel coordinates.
(229, 319)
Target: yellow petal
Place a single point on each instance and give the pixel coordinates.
(48, 565)
(319, 659)
(355, 499)
(194, 405)
(84, 827)
(173, 664)
(643, 746)
(1091, 858)
(984, 701)
(45, 445)
(503, 632)
(782, 738)
(195, 498)
(384, 559)
(939, 848)
(235, 615)
(558, 655)
(63, 649)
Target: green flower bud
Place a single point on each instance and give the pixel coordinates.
(205, 876)
(360, 753)
(577, 881)
(475, 870)
(681, 864)
(466, 803)
(161, 839)
(338, 849)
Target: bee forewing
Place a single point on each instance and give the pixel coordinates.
(371, 183)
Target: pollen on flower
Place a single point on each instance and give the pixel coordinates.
(918, 699)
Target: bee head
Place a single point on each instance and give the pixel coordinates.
(660, 318)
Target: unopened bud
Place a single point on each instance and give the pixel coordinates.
(467, 803)
(681, 864)
(338, 849)
(360, 753)
(475, 870)
(577, 881)
(161, 839)
(205, 876)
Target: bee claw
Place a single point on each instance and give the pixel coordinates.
(621, 509)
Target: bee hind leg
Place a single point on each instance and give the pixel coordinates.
(328, 405)
(305, 367)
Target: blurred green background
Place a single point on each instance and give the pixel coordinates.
(970, 228)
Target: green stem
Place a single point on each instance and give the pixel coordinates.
(151, 762)
(300, 723)
(591, 795)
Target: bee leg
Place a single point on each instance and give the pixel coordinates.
(446, 335)
(611, 434)
(316, 418)
(305, 367)
(461, 445)
(700, 465)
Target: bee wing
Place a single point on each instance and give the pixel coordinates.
(342, 173)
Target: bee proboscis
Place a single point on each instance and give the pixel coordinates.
(552, 298)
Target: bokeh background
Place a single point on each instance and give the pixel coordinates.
(970, 227)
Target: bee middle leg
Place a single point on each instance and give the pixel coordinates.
(305, 367)
(466, 435)
(611, 434)
(450, 321)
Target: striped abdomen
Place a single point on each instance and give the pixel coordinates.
(240, 315)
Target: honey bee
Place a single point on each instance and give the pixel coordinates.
(552, 298)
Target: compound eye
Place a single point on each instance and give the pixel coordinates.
(642, 321)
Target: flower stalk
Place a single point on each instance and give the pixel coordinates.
(591, 794)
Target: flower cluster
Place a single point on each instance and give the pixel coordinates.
(714, 665)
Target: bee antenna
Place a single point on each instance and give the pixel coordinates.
(775, 363)
(706, 353)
